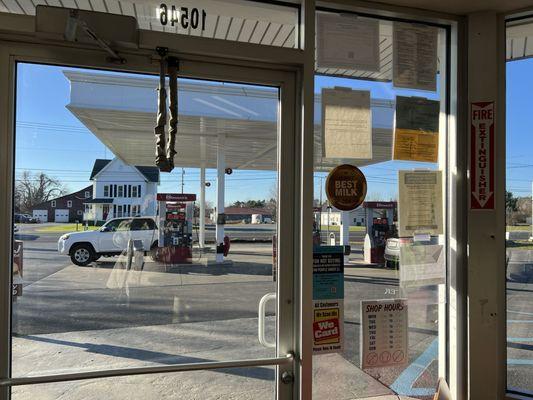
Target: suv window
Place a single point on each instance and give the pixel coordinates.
(118, 225)
(144, 224)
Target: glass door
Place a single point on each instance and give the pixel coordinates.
(197, 278)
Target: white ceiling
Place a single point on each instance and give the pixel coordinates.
(462, 7)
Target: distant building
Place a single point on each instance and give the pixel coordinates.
(67, 208)
(242, 214)
(121, 190)
(357, 216)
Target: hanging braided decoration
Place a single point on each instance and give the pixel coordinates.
(165, 149)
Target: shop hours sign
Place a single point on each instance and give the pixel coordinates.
(384, 340)
(184, 17)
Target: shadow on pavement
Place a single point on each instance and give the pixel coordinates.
(236, 268)
(154, 356)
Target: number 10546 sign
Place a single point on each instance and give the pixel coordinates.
(185, 17)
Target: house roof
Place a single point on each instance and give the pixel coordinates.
(246, 211)
(98, 166)
(150, 173)
(72, 194)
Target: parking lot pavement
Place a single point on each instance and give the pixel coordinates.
(520, 335)
(102, 302)
(170, 344)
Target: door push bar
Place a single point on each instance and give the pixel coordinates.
(211, 365)
(165, 149)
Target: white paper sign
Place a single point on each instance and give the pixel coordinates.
(347, 123)
(420, 205)
(421, 265)
(347, 42)
(384, 333)
(415, 56)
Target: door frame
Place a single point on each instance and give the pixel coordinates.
(210, 66)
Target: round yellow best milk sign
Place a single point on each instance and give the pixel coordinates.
(346, 187)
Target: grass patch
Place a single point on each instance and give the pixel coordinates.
(519, 244)
(65, 228)
(514, 228)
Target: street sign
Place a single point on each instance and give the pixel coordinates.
(482, 156)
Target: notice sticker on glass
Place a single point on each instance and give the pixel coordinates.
(420, 205)
(416, 133)
(415, 56)
(421, 265)
(346, 124)
(328, 299)
(328, 323)
(384, 334)
(347, 42)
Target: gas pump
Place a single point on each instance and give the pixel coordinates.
(378, 230)
(175, 218)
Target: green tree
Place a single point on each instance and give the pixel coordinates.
(511, 205)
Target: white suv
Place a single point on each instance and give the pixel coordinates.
(110, 240)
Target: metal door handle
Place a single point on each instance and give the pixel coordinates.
(261, 320)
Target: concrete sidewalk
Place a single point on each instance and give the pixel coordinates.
(334, 377)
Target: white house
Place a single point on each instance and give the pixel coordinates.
(357, 216)
(121, 190)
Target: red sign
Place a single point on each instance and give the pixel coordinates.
(482, 156)
(176, 197)
(179, 216)
(380, 204)
(327, 330)
(175, 206)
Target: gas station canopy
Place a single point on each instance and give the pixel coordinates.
(519, 39)
(120, 111)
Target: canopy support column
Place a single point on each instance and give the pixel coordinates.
(345, 228)
(201, 238)
(201, 223)
(221, 167)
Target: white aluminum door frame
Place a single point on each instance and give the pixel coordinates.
(284, 76)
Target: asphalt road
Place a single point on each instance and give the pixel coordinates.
(54, 302)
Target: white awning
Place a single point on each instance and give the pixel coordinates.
(120, 110)
(519, 36)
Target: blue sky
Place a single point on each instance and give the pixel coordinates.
(519, 122)
(50, 139)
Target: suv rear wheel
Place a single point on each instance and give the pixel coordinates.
(82, 255)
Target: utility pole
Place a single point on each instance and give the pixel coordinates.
(531, 237)
(182, 176)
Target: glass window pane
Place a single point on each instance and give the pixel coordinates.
(256, 383)
(518, 201)
(92, 301)
(367, 95)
